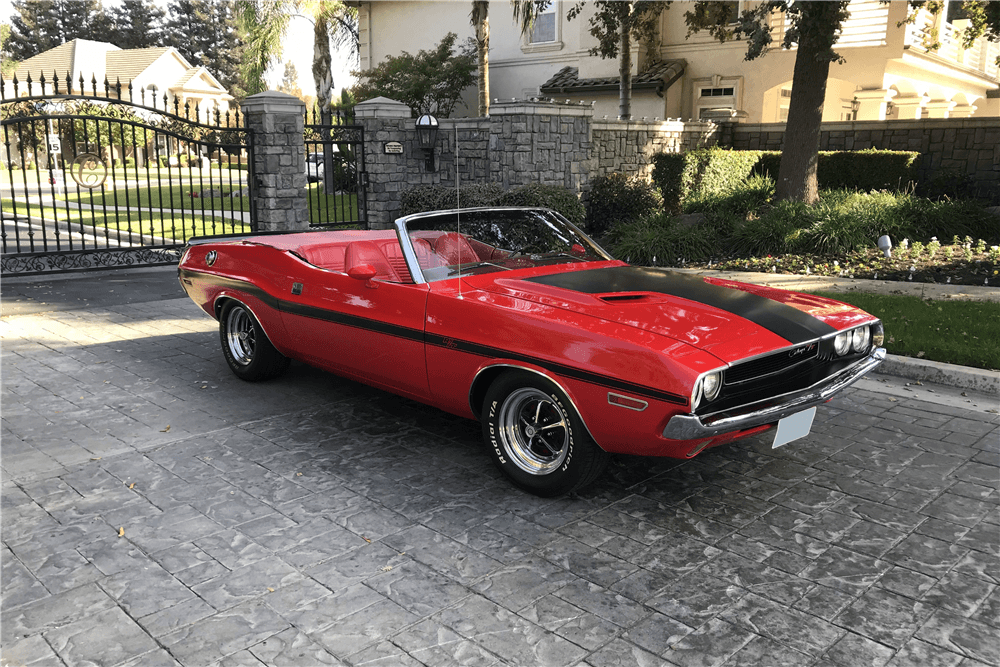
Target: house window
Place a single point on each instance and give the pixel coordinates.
(546, 32)
(718, 92)
(544, 29)
(716, 97)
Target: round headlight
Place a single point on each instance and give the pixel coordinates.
(842, 343)
(860, 339)
(711, 385)
(696, 396)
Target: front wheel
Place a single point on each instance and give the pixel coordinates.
(246, 347)
(536, 438)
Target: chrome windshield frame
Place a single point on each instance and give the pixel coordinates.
(411, 256)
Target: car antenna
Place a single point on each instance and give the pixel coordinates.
(458, 215)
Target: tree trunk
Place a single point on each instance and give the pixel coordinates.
(323, 77)
(481, 21)
(625, 74)
(800, 153)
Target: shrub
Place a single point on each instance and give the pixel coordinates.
(744, 200)
(439, 197)
(162, 159)
(769, 234)
(699, 173)
(660, 240)
(864, 170)
(130, 162)
(555, 197)
(619, 198)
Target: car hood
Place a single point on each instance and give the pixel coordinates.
(728, 319)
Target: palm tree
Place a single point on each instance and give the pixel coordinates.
(525, 13)
(480, 18)
(266, 22)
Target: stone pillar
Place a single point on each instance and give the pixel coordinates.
(387, 121)
(279, 161)
(940, 108)
(872, 103)
(910, 108)
(962, 111)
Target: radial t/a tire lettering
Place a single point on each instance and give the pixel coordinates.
(536, 438)
(247, 350)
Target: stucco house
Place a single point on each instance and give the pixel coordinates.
(154, 72)
(893, 69)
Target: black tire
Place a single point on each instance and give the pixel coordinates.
(536, 438)
(246, 347)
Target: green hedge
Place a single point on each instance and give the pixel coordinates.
(865, 170)
(618, 198)
(439, 197)
(686, 177)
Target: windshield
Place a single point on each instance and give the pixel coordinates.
(479, 241)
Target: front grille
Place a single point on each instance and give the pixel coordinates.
(771, 364)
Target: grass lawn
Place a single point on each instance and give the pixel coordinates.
(955, 332)
(176, 225)
(167, 197)
(331, 208)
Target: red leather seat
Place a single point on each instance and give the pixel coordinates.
(455, 249)
(366, 252)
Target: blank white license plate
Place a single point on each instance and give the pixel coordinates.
(793, 427)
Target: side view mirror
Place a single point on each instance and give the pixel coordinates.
(363, 272)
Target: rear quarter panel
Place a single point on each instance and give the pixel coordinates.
(253, 274)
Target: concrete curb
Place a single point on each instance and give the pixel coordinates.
(802, 283)
(951, 375)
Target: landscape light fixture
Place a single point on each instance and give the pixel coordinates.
(427, 132)
(885, 245)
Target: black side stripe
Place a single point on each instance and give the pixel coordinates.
(560, 369)
(790, 323)
(436, 340)
(336, 317)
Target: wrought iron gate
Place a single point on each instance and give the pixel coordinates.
(95, 179)
(335, 169)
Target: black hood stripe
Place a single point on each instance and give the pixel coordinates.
(790, 323)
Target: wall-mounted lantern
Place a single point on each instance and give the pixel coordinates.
(427, 132)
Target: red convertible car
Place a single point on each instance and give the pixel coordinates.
(515, 317)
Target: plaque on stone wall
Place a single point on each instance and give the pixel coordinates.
(393, 148)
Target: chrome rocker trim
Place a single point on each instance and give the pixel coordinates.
(693, 427)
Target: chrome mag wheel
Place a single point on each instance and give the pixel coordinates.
(534, 431)
(241, 335)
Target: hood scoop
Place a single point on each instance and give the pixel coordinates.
(630, 297)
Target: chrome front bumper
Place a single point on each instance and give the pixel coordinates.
(694, 427)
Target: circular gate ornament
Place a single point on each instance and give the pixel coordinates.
(92, 163)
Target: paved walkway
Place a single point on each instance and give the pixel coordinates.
(157, 511)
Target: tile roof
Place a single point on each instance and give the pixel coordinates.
(130, 63)
(59, 59)
(567, 80)
(119, 64)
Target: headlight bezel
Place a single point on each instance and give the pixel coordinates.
(698, 396)
(860, 339)
(842, 343)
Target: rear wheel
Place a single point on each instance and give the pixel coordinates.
(246, 347)
(536, 438)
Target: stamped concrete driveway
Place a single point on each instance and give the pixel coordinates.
(157, 511)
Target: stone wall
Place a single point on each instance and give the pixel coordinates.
(629, 147)
(521, 142)
(965, 145)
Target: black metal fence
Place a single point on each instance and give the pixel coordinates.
(335, 169)
(103, 176)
